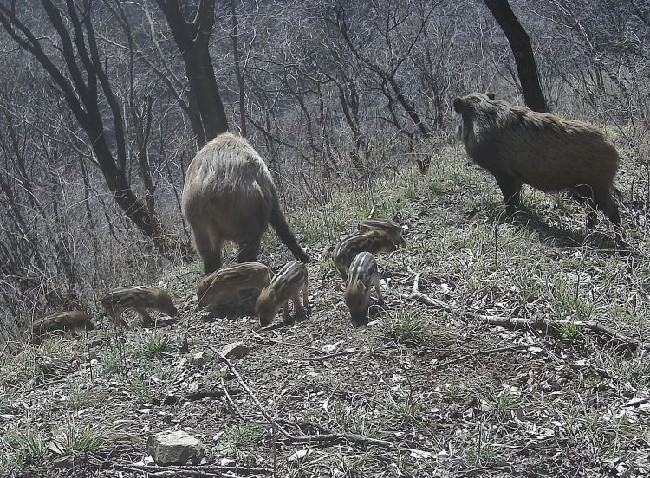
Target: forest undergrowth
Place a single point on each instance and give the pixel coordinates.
(506, 347)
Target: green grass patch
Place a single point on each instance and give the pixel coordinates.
(25, 448)
(404, 328)
(155, 344)
(239, 438)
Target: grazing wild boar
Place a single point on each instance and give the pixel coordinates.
(363, 275)
(392, 228)
(519, 146)
(61, 321)
(371, 241)
(227, 282)
(140, 299)
(229, 195)
(288, 284)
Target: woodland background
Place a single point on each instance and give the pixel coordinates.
(103, 104)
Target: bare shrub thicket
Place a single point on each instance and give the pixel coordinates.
(332, 94)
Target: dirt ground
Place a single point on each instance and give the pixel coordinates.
(429, 386)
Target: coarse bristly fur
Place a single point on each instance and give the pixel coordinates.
(229, 195)
(363, 276)
(140, 299)
(288, 284)
(227, 282)
(62, 321)
(392, 228)
(519, 146)
(371, 241)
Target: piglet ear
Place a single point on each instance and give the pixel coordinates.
(491, 96)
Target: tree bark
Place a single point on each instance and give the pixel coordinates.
(522, 51)
(234, 36)
(193, 40)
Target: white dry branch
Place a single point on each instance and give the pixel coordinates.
(616, 338)
(425, 299)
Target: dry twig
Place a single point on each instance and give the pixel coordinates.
(331, 437)
(207, 471)
(425, 299)
(232, 404)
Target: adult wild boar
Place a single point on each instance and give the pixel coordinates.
(229, 195)
(519, 146)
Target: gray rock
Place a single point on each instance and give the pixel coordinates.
(174, 447)
(198, 359)
(235, 350)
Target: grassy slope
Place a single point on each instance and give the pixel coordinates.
(452, 395)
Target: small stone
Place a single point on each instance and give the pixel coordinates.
(235, 350)
(198, 359)
(174, 447)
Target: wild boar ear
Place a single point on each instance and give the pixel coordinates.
(458, 105)
(491, 96)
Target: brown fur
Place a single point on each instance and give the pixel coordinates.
(519, 146)
(371, 241)
(140, 299)
(229, 195)
(363, 275)
(392, 228)
(229, 281)
(62, 321)
(288, 284)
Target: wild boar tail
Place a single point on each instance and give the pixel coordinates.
(282, 229)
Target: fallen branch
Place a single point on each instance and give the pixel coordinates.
(231, 402)
(209, 471)
(425, 299)
(303, 346)
(543, 325)
(329, 437)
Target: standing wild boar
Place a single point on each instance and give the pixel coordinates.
(519, 146)
(229, 195)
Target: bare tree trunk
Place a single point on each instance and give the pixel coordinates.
(238, 69)
(349, 99)
(193, 40)
(522, 51)
(83, 81)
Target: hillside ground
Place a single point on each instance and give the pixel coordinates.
(423, 389)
